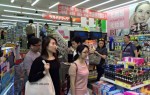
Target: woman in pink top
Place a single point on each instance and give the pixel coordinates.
(79, 72)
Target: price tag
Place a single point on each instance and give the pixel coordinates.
(122, 84)
(146, 82)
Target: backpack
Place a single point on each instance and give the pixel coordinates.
(30, 29)
(66, 83)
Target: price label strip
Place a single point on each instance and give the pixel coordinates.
(122, 84)
(146, 82)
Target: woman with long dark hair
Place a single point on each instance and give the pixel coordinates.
(49, 54)
(101, 50)
(79, 72)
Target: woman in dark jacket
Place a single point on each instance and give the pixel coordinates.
(38, 69)
(101, 50)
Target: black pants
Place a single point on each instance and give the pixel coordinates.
(100, 71)
(29, 36)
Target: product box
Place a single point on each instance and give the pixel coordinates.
(114, 92)
(131, 93)
(119, 94)
(108, 88)
(96, 86)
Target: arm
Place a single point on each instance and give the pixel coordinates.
(104, 55)
(27, 64)
(36, 71)
(136, 53)
(72, 73)
(135, 50)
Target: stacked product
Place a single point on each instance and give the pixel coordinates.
(6, 69)
(128, 73)
(102, 88)
(110, 70)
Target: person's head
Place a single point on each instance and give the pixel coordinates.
(35, 44)
(101, 43)
(49, 45)
(30, 21)
(76, 41)
(82, 52)
(126, 38)
(46, 26)
(142, 12)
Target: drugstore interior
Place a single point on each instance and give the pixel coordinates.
(89, 19)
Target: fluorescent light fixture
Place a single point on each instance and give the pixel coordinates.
(100, 4)
(35, 2)
(54, 5)
(31, 9)
(34, 19)
(22, 13)
(13, 20)
(81, 3)
(118, 5)
(12, 1)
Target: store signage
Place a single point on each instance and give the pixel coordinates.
(57, 17)
(80, 12)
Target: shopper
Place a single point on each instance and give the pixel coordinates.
(79, 72)
(75, 42)
(30, 31)
(44, 30)
(138, 47)
(35, 46)
(128, 49)
(2, 35)
(141, 15)
(101, 50)
(38, 69)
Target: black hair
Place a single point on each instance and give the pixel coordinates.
(46, 24)
(127, 36)
(34, 40)
(77, 39)
(45, 43)
(103, 40)
(30, 21)
(79, 49)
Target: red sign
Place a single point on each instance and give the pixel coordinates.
(55, 17)
(68, 10)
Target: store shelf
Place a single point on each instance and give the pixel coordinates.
(124, 86)
(4, 92)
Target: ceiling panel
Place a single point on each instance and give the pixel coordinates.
(45, 4)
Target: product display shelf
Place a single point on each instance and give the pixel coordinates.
(4, 92)
(125, 86)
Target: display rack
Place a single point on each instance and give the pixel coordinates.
(6, 90)
(125, 85)
(7, 71)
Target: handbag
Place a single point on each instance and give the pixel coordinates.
(94, 59)
(43, 86)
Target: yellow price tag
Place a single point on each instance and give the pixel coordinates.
(122, 84)
(147, 82)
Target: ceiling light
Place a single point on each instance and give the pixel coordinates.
(54, 5)
(10, 6)
(13, 20)
(100, 4)
(22, 13)
(35, 2)
(118, 5)
(34, 19)
(80, 3)
(12, 1)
